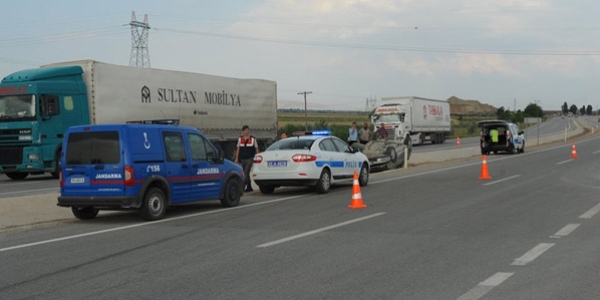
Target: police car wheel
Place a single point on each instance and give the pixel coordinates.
(266, 190)
(324, 182)
(84, 213)
(363, 178)
(154, 205)
(233, 192)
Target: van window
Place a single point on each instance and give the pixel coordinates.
(174, 146)
(93, 148)
(199, 147)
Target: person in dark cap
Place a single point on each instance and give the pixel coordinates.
(247, 147)
(381, 132)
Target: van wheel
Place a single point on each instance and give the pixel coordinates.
(266, 190)
(154, 205)
(522, 150)
(17, 175)
(363, 177)
(84, 213)
(324, 182)
(233, 192)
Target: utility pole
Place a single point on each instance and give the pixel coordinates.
(305, 110)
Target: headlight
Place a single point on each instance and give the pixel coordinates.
(33, 156)
(24, 138)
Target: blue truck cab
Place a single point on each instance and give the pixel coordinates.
(143, 166)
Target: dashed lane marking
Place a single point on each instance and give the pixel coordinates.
(565, 231)
(590, 213)
(532, 254)
(485, 286)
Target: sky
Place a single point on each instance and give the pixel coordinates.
(347, 53)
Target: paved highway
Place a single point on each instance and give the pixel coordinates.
(433, 232)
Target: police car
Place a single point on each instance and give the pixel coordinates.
(510, 138)
(315, 159)
(143, 166)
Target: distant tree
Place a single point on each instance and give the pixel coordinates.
(533, 110)
(573, 109)
(504, 114)
(565, 108)
(519, 116)
(582, 110)
(589, 110)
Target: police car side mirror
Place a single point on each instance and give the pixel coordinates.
(521, 132)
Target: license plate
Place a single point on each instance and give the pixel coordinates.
(277, 163)
(78, 180)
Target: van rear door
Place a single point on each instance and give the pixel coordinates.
(92, 164)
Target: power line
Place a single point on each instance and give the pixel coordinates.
(384, 47)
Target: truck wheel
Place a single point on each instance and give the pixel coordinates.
(17, 175)
(84, 213)
(56, 172)
(154, 204)
(363, 177)
(324, 182)
(266, 190)
(233, 193)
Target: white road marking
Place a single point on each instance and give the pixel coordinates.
(565, 231)
(532, 254)
(287, 239)
(590, 213)
(564, 161)
(501, 180)
(485, 286)
(596, 152)
(145, 224)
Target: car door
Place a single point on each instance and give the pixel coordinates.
(350, 163)
(332, 157)
(517, 138)
(206, 174)
(177, 165)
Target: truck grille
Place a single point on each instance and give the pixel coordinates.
(11, 155)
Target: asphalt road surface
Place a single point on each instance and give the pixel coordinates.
(434, 232)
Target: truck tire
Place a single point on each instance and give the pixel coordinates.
(17, 175)
(233, 192)
(154, 204)
(84, 213)
(56, 172)
(324, 182)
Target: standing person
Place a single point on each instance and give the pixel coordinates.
(247, 147)
(352, 134)
(364, 134)
(381, 132)
(283, 135)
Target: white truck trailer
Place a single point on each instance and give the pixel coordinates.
(414, 120)
(38, 105)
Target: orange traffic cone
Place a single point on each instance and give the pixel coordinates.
(357, 201)
(573, 151)
(484, 170)
(457, 141)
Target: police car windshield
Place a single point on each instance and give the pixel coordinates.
(292, 144)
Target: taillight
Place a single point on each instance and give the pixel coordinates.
(258, 159)
(303, 158)
(129, 176)
(60, 178)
